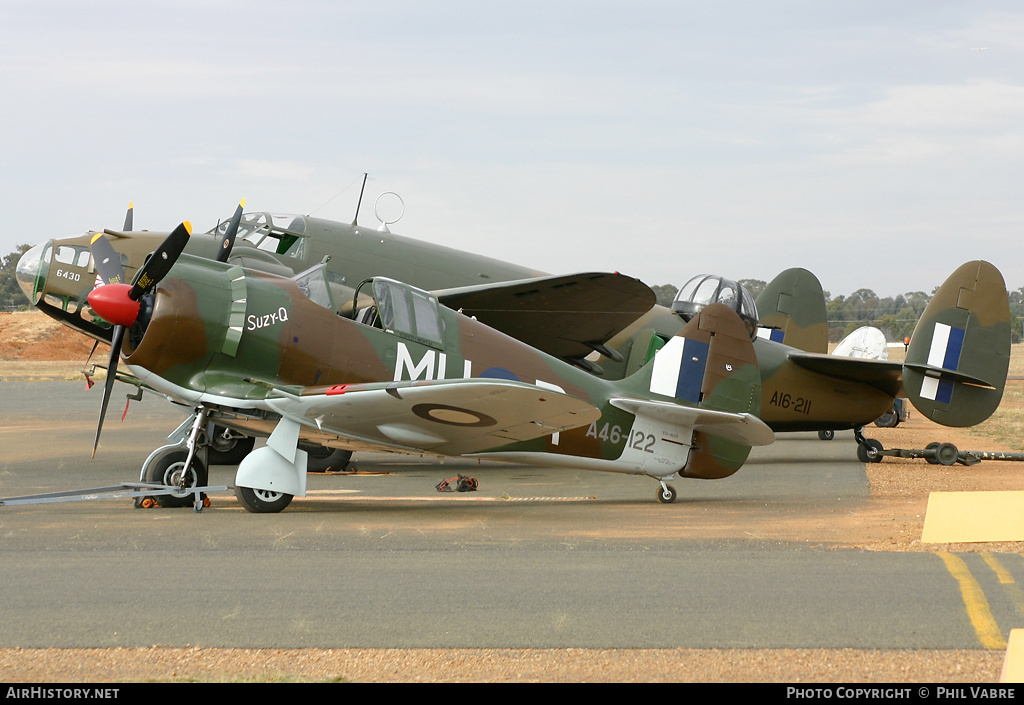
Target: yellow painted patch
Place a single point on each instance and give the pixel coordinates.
(1013, 662)
(967, 517)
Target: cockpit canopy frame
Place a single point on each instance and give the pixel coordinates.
(705, 289)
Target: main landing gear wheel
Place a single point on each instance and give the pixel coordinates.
(168, 469)
(228, 447)
(867, 452)
(322, 459)
(262, 501)
(666, 494)
(826, 435)
(889, 419)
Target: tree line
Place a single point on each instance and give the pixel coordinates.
(896, 316)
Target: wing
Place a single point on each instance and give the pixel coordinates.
(565, 316)
(883, 375)
(446, 417)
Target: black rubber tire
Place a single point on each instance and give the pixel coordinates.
(866, 451)
(322, 459)
(667, 497)
(947, 454)
(932, 460)
(262, 501)
(889, 419)
(228, 452)
(166, 470)
(826, 435)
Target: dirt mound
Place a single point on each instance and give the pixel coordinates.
(32, 336)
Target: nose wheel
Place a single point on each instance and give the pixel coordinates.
(666, 494)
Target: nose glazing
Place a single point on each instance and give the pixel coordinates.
(31, 271)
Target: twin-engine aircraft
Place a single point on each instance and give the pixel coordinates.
(269, 355)
(803, 388)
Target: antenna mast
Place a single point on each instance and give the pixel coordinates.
(355, 220)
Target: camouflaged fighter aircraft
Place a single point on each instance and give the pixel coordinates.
(804, 390)
(269, 355)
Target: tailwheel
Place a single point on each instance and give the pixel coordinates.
(868, 451)
(262, 501)
(666, 494)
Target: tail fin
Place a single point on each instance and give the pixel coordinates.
(866, 343)
(791, 311)
(959, 354)
(710, 370)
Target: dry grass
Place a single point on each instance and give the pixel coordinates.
(1006, 425)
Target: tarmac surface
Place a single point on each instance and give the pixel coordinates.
(537, 558)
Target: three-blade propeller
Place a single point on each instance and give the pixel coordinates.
(119, 303)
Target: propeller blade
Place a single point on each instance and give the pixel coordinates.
(160, 263)
(119, 303)
(108, 385)
(108, 262)
(129, 217)
(229, 234)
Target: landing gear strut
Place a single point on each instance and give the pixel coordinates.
(182, 467)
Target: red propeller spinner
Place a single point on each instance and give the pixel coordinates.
(113, 303)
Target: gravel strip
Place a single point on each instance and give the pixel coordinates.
(163, 664)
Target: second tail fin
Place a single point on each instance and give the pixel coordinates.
(959, 355)
(791, 311)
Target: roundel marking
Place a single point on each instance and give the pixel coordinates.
(499, 373)
(453, 415)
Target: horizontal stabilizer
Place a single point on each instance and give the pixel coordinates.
(880, 374)
(565, 316)
(448, 417)
(959, 354)
(710, 370)
(739, 427)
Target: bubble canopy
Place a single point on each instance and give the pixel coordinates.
(707, 289)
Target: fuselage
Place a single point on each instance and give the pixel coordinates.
(58, 275)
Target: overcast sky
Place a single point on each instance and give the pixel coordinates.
(878, 144)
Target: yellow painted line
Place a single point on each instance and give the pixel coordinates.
(1002, 573)
(1005, 578)
(978, 610)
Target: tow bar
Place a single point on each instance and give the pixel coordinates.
(125, 489)
(943, 454)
